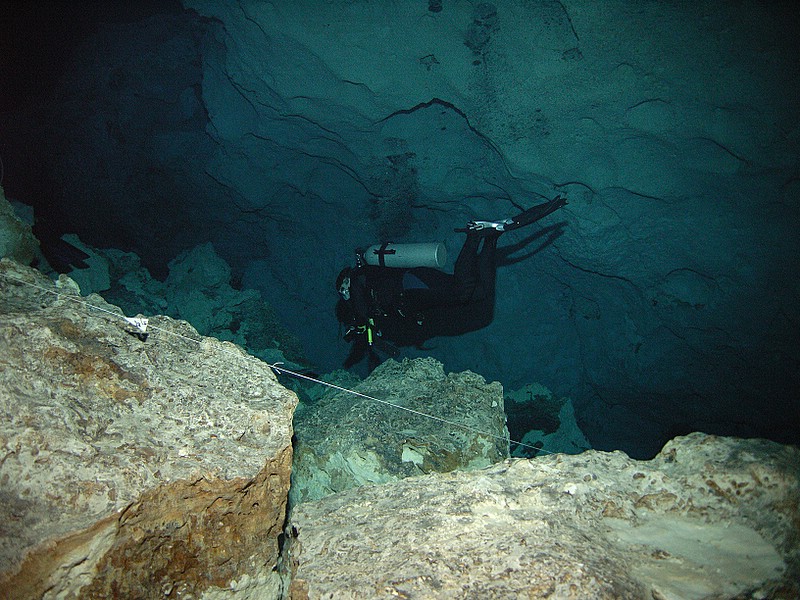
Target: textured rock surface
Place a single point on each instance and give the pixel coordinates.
(198, 290)
(707, 518)
(16, 240)
(345, 440)
(130, 467)
(539, 420)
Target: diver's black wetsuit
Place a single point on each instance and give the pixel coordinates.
(407, 306)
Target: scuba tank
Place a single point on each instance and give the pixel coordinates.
(433, 254)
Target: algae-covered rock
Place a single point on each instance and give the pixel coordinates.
(707, 518)
(132, 465)
(438, 423)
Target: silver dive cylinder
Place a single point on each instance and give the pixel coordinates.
(431, 254)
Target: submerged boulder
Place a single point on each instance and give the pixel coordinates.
(133, 463)
(405, 419)
(708, 517)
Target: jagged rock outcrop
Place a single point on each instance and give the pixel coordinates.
(198, 289)
(708, 517)
(16, 239)
(542, 422)
(348, 439)
(132, 465)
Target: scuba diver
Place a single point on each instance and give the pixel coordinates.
(388, 300)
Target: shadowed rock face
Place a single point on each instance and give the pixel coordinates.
(708, 517)
(133, 465)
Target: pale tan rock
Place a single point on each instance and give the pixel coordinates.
(132, 467)
(709, 517)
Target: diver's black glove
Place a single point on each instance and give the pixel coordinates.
(353, 332)
(368, 330)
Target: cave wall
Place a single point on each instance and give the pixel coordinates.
(663, 298)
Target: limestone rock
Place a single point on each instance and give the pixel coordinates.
(198, 290)
(130, 465)
(708, 517)
(16, 240)
(133, 287)
(542, 422)
(95, 276)
(347, 439)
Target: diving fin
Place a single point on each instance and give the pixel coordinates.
(526, 217)
(535, 213)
